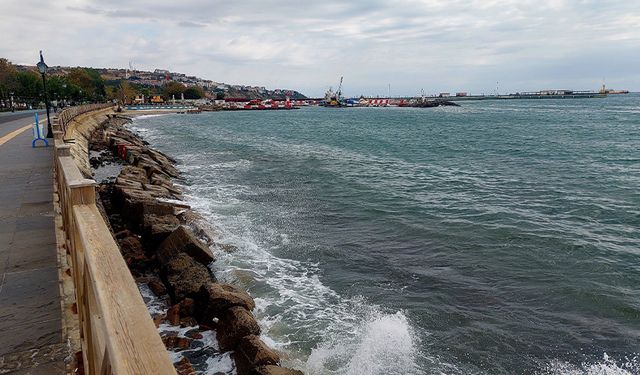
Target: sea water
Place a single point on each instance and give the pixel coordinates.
(499, 237)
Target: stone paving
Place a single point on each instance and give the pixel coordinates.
(30, 312)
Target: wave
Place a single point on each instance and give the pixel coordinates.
(141, 117)
(607, 366)
(294, 307)
(381, 344)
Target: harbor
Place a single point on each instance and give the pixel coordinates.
(334, 99)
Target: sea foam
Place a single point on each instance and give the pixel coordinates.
(606, 366)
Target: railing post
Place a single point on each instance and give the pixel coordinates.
(62, 149)
(83, 192)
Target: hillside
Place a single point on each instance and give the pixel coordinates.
(159, 77)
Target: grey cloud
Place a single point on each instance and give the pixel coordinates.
(444, 45)
(191, 24)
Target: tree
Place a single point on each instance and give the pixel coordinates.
(194, 92)
(29, 86)
(111, 92)
(98, 83)
(80, 78)
(173, 88)
(57, 88)
(8, 81)
(126, 93)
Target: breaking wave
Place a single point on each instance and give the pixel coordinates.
(607, 366)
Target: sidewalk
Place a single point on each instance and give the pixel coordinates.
(30, 312)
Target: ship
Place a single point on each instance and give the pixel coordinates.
(333, 99)
(607, 91)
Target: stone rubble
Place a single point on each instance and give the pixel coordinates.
(165, 251)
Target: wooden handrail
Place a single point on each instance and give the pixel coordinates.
(117, 333)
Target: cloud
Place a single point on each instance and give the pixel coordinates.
(191, 24)
(454, 45)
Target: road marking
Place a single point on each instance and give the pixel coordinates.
(14, 134)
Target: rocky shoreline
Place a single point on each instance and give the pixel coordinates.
(168, 252)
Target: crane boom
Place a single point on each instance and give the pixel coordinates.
(339, 92)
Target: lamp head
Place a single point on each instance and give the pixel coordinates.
(42, 67)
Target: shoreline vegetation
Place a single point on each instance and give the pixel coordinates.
(168, 251)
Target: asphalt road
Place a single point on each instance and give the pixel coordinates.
(10, 121)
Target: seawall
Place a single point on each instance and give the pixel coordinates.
(116, 333)
(158, 247)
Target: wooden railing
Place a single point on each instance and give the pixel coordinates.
(117, 333)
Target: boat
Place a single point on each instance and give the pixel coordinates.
(333, 99)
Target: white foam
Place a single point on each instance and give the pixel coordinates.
(607, 366)
(382, 344)
(220, 364)
(140, 117)
(155, 305)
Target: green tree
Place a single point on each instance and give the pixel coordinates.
(8, 82)
(29, 87)
(98, 83)
(173, 88)
(57, 88)
(194, 92)
(81, 78)
(126, 93)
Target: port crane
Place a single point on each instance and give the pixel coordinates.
(334, 99)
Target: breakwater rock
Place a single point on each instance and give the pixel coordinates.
(167, 252)
(434, 103)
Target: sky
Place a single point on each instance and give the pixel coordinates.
(380, 47)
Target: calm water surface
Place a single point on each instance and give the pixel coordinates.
(496, 238)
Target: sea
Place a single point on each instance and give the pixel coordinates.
(498, 237)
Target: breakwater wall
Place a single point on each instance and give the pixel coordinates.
(117, 335)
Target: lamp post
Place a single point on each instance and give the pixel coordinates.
(42, 68)
(12, 108)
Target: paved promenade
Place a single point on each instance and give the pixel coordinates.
(30, 315)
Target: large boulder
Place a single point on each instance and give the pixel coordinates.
(132, 251)
(184, 367)
(184, 277)
(182, 240)
(157, 191)
(163, 161)
(157, 287)
(156, 229)
(214, 299)
(236, 323)
(126, 196)
(253, 352)
(142, 208)
(126, 182)
(275, 370)
(134, 173)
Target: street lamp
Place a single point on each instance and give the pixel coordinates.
(42, 68)
(12, 109)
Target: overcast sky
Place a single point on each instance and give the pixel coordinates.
(452, 45)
